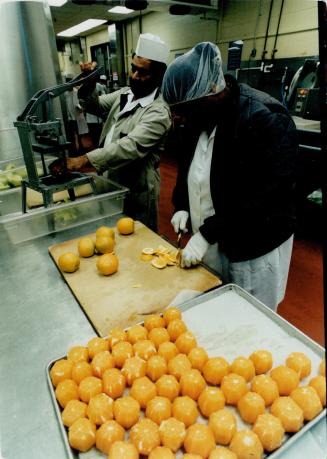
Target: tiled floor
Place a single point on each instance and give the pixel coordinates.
(303, 303)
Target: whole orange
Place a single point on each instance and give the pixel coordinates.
(107, 264)
(68, 262)
(104, 244)
(105, 231)
(125, 225)
(86, 247)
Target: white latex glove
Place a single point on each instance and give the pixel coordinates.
(194, 250)
(179, 221)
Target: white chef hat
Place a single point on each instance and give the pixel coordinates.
(152, 47)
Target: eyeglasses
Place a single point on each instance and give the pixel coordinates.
(140, 70)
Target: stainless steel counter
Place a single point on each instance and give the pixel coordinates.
(40, 320)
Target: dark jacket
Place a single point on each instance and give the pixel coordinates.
(252, 176)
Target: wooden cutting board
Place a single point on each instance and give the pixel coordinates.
(137, 289)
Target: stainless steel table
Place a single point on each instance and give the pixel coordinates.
(40, 320)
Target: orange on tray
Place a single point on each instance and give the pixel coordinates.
(113, 383)
(300, 363)
(289, 413)
(250, 405)
(89, 387)
(145, 436)
(75, 409)
(178, 365)
(168, 386)
(81, 434)
(286, 378)
(77, 353)
(123, 450)
(102, 361)
(133, 368)
(199, 440)
(198, 356)
(265, 386)
(269, 430)
(126, 411)
(81, 370)
(262, 361)
(158, 409)
(136, 333)
(192, 384)
(121, 352)
(319, 384)
(234, 387)
(210, 400)
(222, 453)
(156, 367)
(167, 350)
(96, 345)
(172, 433)
(143, 390)
(223, 425)
(161, 452)
(65, 391)
(246, 444)
(100, 409)
(108, 434)
(185, 410)
(308, 400)
(243, 367)
(215, 369)
(144, 349)
(61, 370)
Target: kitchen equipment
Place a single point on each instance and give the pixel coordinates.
(137, 289)
(39, 132)
(179, 249)
(21, 227)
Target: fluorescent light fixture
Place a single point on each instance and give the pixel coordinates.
(120, 10)
(82, 27)
(57, 2)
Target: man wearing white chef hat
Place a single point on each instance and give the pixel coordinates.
(133, 135)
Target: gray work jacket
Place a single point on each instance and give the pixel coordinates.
(133, 155)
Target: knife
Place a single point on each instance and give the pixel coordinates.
(179, 250)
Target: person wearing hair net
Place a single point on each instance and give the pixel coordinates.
(134, 132)
(235, 183)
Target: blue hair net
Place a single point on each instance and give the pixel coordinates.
(195, 74)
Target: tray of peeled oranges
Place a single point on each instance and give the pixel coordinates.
(220, 377)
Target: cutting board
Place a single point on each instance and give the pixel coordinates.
(136, 289)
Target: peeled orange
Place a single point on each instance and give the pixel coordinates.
(107, 264)
(125, 225)
(68, 262)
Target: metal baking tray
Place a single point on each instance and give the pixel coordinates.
(230, 322)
